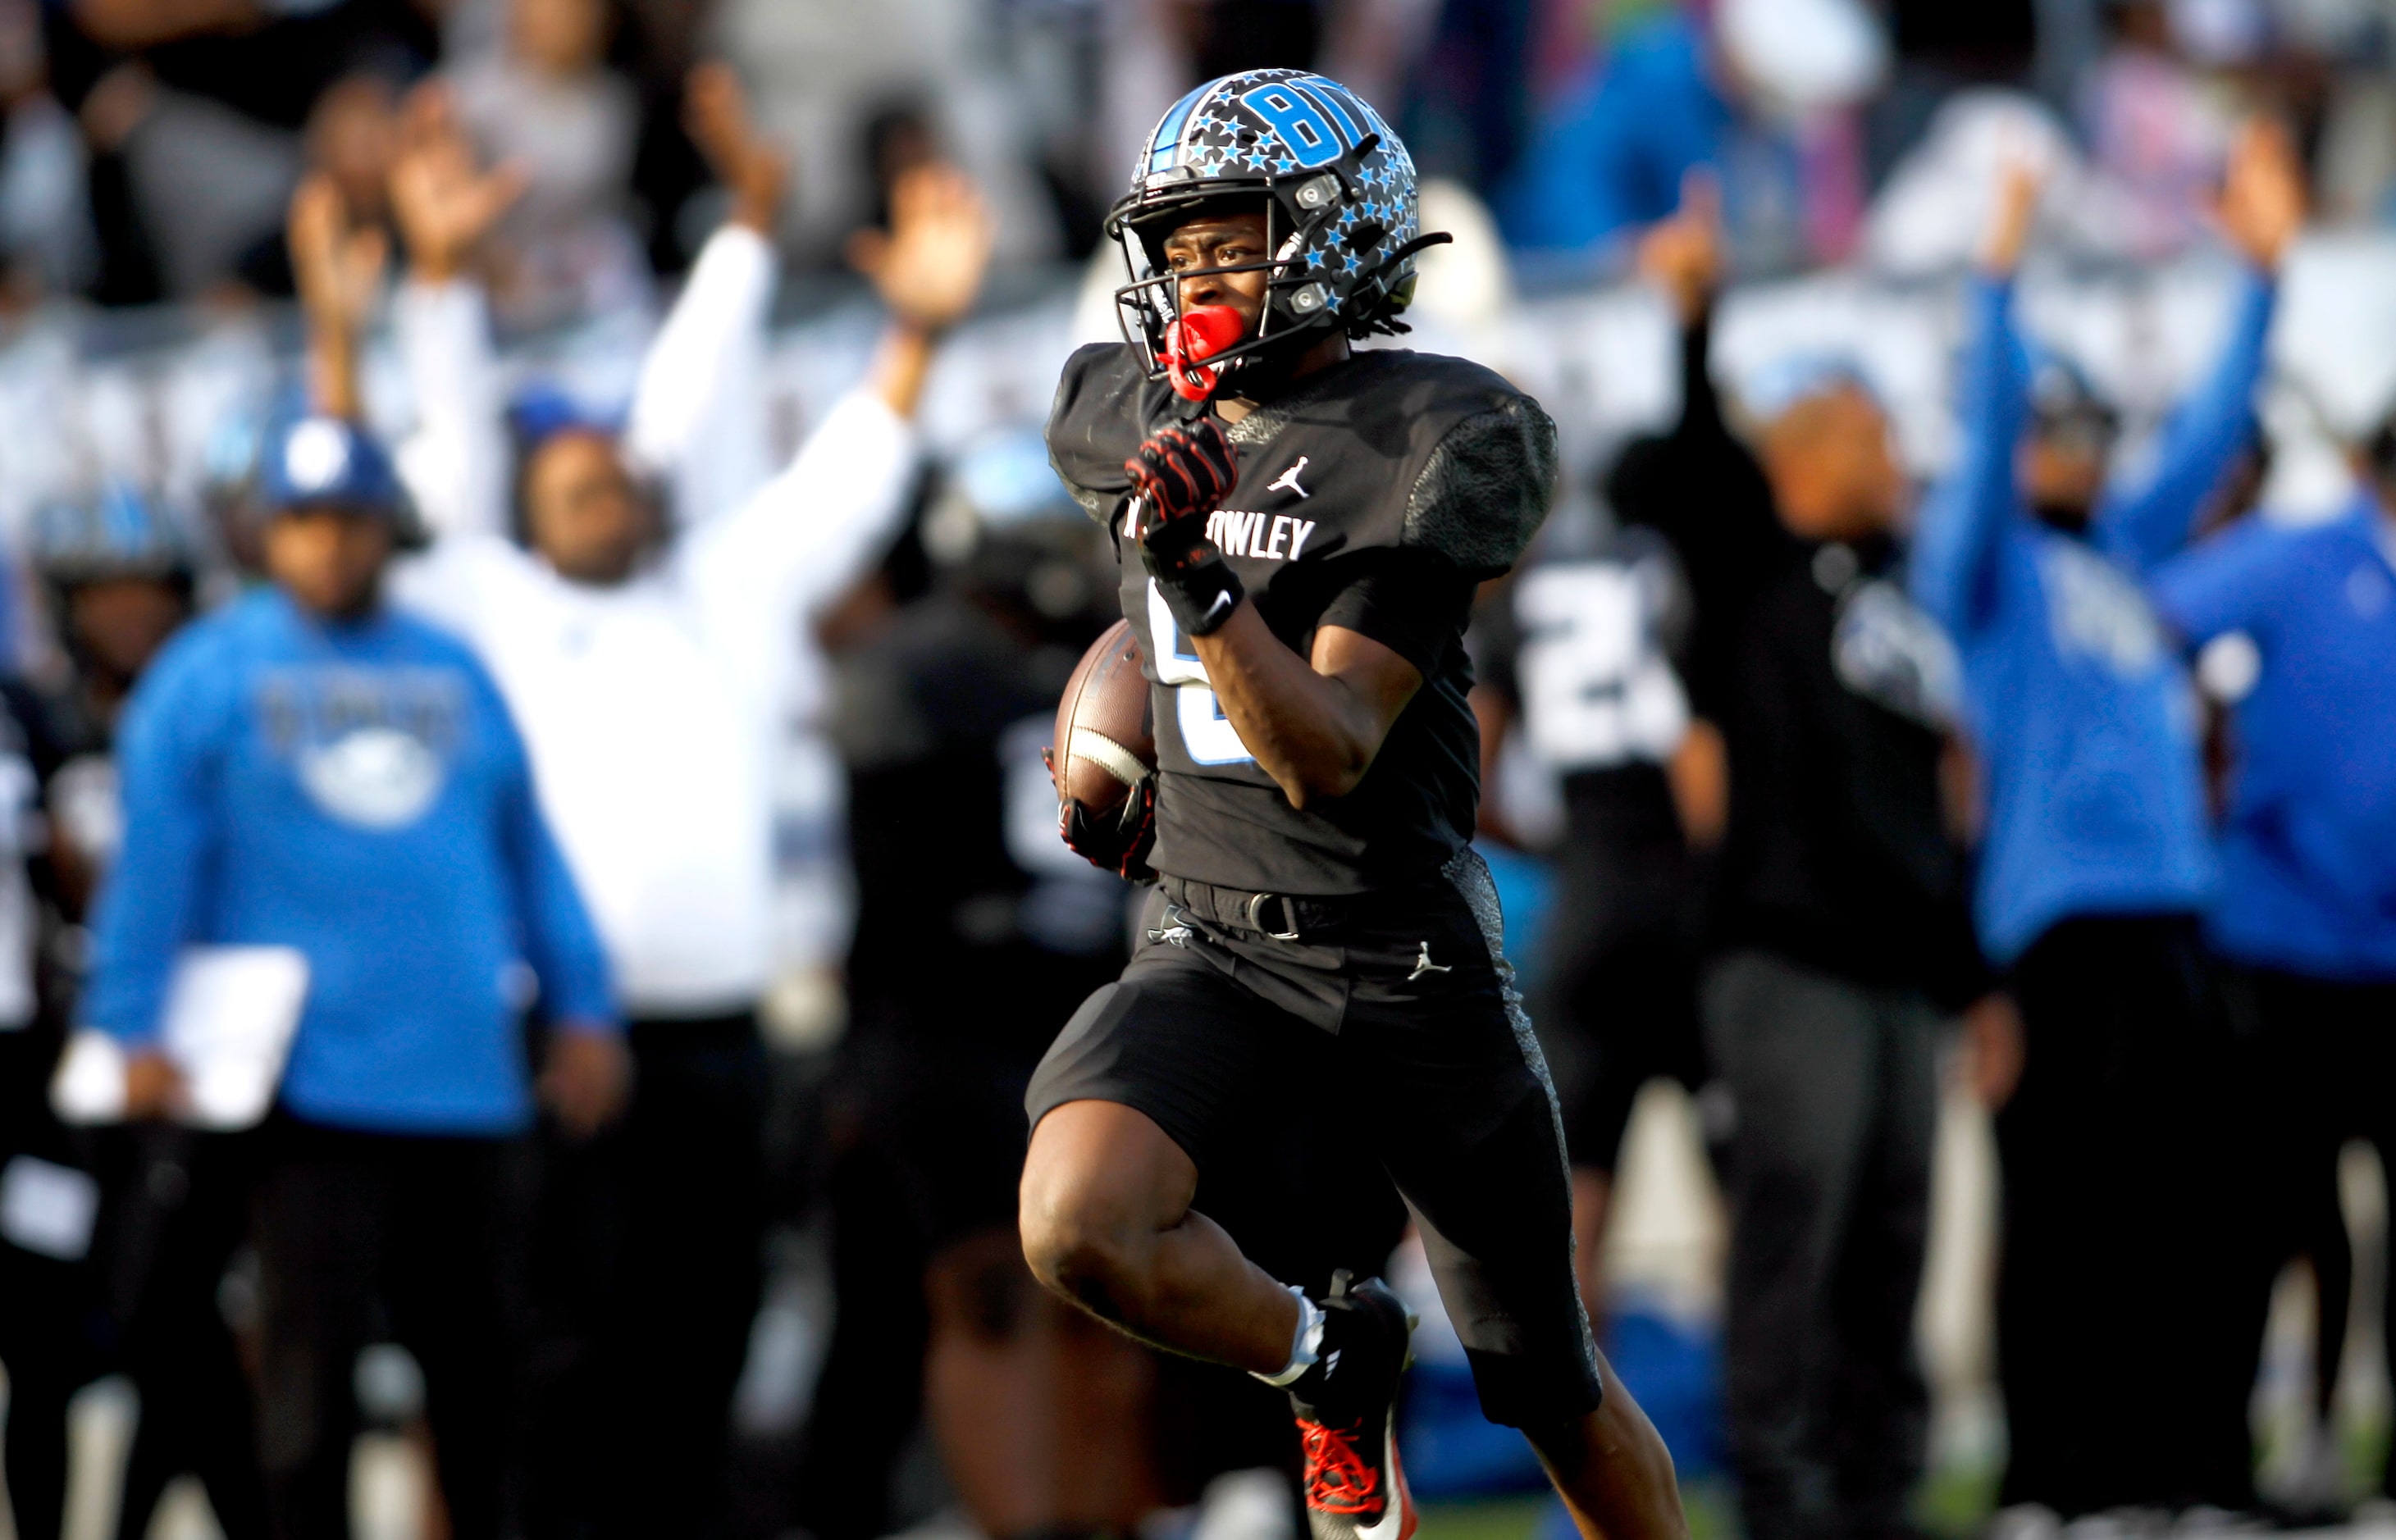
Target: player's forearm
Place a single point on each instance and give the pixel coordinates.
(902, 365)
(1311, 732)
(333, 370)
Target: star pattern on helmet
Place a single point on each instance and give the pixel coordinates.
(1223, 139)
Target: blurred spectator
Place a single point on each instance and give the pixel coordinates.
(1577, 660)
(1583, 659)
(54, 1327)
(978, 932)
(546, 105)
(1755, 99)
(2153, 125)
(309, 771)
(647, 664)
(1926, 215)
(1839, 926)
(195, 112)
(352, 136)
(1941, 48)
(120, 576)
(1467, 111)
(2306, 910)
(45, 235)
(2114, 1310)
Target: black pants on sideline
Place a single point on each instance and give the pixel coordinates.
(2319, 1056)
(53, 1317)
(648, 1272)
(1834, 1090)
(2117, 1292)
(364, 1237)
(181, 1211)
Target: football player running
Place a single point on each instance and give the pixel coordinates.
(1301, 529)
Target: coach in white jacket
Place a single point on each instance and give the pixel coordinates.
(647, 653)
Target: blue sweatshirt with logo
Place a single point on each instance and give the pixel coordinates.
(356, 792)
(2308, 851)
(2079, 704)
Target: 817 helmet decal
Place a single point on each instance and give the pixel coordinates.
(1340, 219)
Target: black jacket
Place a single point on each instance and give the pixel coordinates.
(1830, 690)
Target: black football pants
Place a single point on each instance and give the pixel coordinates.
(1216, 1022)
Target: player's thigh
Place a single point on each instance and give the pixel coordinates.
(1143, 1089)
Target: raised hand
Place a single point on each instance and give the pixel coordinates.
(2262, 202)
(756, 172)
(2007, 236)
(445, 200)
(929, 265)
(338, 269)
(1682, 255)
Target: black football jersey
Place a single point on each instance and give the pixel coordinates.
(1373, 495)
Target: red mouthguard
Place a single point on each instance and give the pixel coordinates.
(1201, 333)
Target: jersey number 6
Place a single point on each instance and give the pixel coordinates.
(1205, 731)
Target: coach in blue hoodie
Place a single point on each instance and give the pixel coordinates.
(2095, 865)
(309, 769)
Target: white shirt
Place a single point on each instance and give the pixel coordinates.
(649, 706)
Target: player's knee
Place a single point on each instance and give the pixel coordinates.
(1078, 1245)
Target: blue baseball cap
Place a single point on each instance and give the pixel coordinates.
(319, 461)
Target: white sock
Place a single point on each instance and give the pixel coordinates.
(1305, 1345)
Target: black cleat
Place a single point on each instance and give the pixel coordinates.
(1347, 1407)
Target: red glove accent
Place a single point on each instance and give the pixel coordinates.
(1184, 471)
(1199, 334)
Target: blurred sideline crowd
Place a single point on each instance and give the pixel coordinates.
(532, 547)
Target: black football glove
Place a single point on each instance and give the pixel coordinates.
(1184, 474)
(1184, 471)
(1117, 843)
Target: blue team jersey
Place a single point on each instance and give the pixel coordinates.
(2081, 707)
(2308, 851)
(356, 792)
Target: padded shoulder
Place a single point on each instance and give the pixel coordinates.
(1487, 485)
(1096, 422)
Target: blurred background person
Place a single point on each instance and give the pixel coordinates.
(2115, 1319)
(1838, 930)
(1584, 659)
(1754, 92)
(646, 656)
(976, 928)
(200, 114)
(2306, 915)
(120, 575)
(308, 770)
(55, 1331)
(546, 104)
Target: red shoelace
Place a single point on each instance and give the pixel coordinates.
(1338, 1478)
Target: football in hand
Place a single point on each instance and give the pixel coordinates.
(1106, 739)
